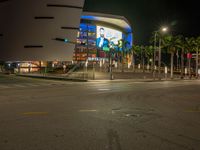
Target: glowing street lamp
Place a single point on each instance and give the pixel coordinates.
(162, 30)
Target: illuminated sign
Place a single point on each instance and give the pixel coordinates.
(107, 38)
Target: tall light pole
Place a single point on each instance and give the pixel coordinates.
(159, 60)
(154, 58)
(162, 30)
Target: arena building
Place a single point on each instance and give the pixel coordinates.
(34, 33)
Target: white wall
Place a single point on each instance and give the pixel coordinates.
(19, 28)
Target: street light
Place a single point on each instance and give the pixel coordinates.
(161, 30)
(18, 66)
(164, 29)
(154, 61)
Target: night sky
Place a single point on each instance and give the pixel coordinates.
(146, 16)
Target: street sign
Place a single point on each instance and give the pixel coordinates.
(189, 55)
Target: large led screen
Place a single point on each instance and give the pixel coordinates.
(107, 38)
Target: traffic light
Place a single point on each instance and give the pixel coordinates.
(65, 40)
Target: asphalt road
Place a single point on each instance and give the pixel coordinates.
(108, 115)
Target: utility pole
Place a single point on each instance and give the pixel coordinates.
(87, 50)
(110, 64)
(93, 71)
(154, 59)
(159, 60)
(197, 62)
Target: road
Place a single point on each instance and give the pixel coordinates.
(107, 115)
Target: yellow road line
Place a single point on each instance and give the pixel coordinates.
(35, 113)
(193, 110)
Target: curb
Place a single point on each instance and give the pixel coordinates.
(140, 80)
(52, 78)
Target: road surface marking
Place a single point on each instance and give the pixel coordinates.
(193, 111)
(88, 110)
(31, 84)
(18, 85)
(4, 86)
(104, 89)
(35, 113)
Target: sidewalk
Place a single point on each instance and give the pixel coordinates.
(104, 77)
(139, 80)
(51, 77)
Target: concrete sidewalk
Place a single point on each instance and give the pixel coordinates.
(52, 77)
(140, 80)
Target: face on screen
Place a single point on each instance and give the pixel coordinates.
(102, 32)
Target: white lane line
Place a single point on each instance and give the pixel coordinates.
(4, 87)
(35, 113)
(18, 85)
(38, 84)
(103, 89)
(31, 84)
(88, 110)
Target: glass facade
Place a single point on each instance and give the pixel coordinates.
(86, 43)
(89, 42)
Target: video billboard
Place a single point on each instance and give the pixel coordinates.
(107, 38)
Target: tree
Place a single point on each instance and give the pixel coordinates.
(149, 51)
(190, 47)
(124, 45)
(183, 46)
(135, 51)
(171, 43)
(196, 43)
(142, 57)
(197, 55)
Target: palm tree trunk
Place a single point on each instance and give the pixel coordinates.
(143, 64)
(197, 62)
(177, 65)
(189, 64)
(182, 63)
(172, 65)
(152, 65)
(122, 61)
(133, 62)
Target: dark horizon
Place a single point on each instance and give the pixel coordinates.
(182, 18)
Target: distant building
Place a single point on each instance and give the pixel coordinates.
(39, 33)
(28, 29)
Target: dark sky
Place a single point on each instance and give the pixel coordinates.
(146, 16)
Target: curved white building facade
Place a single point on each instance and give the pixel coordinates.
(28, 29)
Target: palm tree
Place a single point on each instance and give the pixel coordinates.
(171, 43)
(135, 50)
(190, 45)
(149, 51)
(197, 46)
(142, 57)
(125, 50)
(183, 46)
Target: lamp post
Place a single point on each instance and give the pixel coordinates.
(159, 60)
(154, 58)
(162, 30)
(18, 66)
